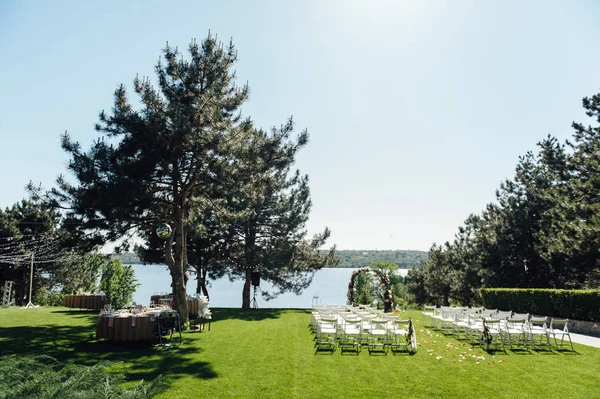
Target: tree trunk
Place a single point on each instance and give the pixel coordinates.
(201, 287)
(175, 258)
(246, 290)
(250, 262)
(20, 293)
(179, 293)
(446, 298)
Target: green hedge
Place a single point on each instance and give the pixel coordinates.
(572, 304)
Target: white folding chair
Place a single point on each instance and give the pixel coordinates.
(351, 334)
(539, 328)
(378, 336)
(464, 323)
(327, 332)
(491, 334)
(515, 330)
(559, 327)
(398, 335)
(436, 319)
(428, 314)
(365, 326)
(447, 320)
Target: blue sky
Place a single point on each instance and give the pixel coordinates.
(416, 110)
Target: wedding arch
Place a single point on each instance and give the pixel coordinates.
(388, 297)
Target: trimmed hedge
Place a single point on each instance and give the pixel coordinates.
(573, 304)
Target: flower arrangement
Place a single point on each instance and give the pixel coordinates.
(411, 336)
(486, 336)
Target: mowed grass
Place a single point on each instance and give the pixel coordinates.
(270, 353)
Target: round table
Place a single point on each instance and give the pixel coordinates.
(85, 301)
(125, 327)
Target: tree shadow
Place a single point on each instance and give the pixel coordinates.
(78, 345)
(74, 312)
(91, 316)
(245, 314)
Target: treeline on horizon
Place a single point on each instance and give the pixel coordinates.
(543, 230)
(405, 259)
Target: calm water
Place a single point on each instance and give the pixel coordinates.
(330, 285)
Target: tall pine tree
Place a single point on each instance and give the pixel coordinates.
(267, 212)
(154, 161)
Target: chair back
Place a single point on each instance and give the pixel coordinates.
(559, 324)
(503, 314)
(517, 323)
(538, 321)
(378, 325)
(493, 325)
(401, 325)
(524, 316)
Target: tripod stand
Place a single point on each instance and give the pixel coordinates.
(254, 302)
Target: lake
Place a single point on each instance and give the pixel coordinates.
(329, 284)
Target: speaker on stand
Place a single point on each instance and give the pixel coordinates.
(255, 277)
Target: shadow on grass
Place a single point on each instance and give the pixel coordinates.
(402, 352)
(566, 352)
(77, 312)
(245, 314)
(78, 345)
(321, 351)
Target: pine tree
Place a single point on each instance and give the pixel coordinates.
(153, 165)
(266, 213)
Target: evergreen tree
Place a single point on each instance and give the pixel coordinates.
(543, 231)
(581, 219)
(155, 164)
(26, 227)
(266, 213)
(30, 229)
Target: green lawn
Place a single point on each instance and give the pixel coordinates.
(270, 354)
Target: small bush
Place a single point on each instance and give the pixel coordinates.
(572, 304)
(44, 297)
(118, 282)
(39, 377)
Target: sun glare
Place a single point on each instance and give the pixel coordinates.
(387, 15)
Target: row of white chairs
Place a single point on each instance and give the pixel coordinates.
(351, 328)
(503, 327)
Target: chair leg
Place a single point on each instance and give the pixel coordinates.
(571, 342)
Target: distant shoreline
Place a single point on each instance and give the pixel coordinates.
(348, 259)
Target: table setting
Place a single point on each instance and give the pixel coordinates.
(136, 324)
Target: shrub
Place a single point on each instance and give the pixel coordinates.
(45, 297)
(43, 377)
(572, 304)
(118, 283)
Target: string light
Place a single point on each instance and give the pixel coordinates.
(43, 248)
(242, 267)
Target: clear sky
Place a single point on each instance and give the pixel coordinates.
(416, 110)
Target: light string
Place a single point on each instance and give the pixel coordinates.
(43, 248)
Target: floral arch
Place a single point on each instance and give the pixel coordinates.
(388, 297)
